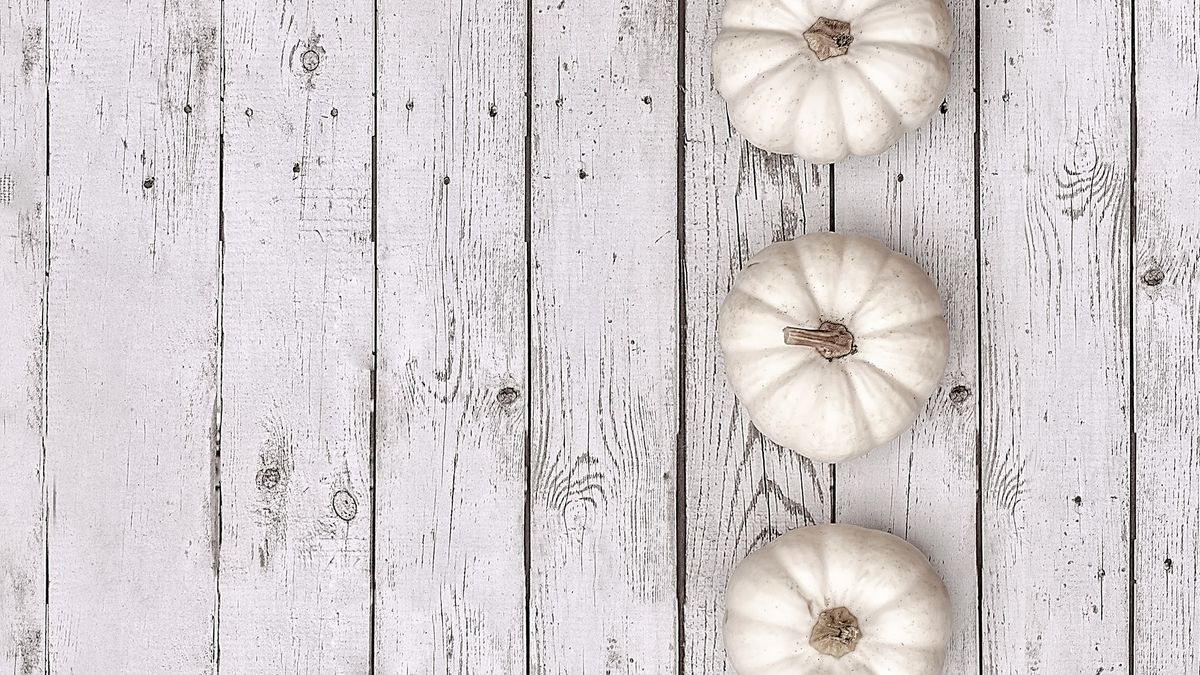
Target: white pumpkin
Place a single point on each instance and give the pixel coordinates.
(833, 343)
(824, 79)
(833, 600)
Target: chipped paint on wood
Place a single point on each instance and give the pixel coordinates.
(1166, 339)
(741, 490)
(298, 329)
(23, 260)
(604, 372)
(133, 351)
(451, 423)
(919, 198)
(1054, 302)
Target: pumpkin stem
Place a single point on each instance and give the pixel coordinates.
(828, 38)
(831, 340)
(836, 632)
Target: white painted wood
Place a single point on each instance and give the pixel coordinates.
(133, 351)
(1166, 402)
(1055, 136)
(605, 340)
(298, 329)
(919, 198)
(22, 335)
(741, 489)
(452, 389)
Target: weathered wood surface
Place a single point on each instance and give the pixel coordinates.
(604, 336)
(298, 338)
(741, 490)
(919, 198)
(23, 258)
(1054, 238)
(452, 379)
(489, 392)
(133, 349)
(1166, 339)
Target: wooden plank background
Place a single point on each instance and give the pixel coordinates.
(381, 337)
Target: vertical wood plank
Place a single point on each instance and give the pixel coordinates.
(1166, 402)
(605, 344)
(452, 383)
(919, 198)
(1055, 138)
(741, 489)
(298, 335)
(22, 343)
(133, 353)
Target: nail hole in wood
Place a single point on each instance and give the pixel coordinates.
(492, 111)
(445, 180)
(249, 112)
(899, 178)
(296, 167)
(1168, 565)
(582, 174)
(1078, 500)
(333, 113)
(188, 108)
(148, 183)
(647, 100)
(943, 107)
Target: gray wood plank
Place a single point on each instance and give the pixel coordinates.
(604, 357)
(1166, 401)
(452, 385)
(23, 259)
(298, 335)
(919, 198)
(1055, 137)
(133, 351)
(741, 489)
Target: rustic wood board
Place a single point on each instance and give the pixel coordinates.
(297, 338)
(919, 198)
(453, 346)
(604, 338)
(380, 337)
(23, 258)
(1166, 328)
(133, 353)
(740, 489)
(1055, 330)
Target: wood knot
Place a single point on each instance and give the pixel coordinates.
(507, 396)
(1153, 276)
(345, 505)
(959, 393)
(268, 478)
(310, 60)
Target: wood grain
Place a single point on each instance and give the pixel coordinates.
(133, 351)
(1166, 402)
(1055, 137)
(450, 475)
(919, 198)
(298, 328)
(604, 357)
(23, 259)
(741, 489)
